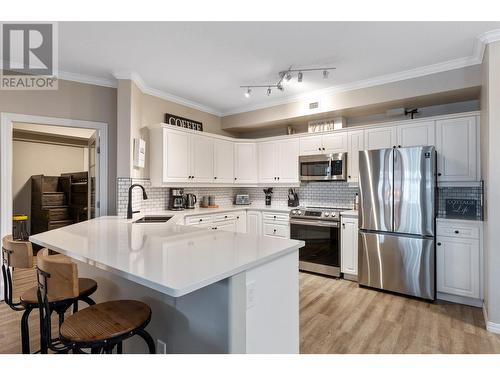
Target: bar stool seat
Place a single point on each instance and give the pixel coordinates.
(105, 321)
(87, 287)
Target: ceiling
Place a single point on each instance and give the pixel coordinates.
(202, 64)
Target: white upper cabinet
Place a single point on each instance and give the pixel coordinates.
(380, 137)
(288, 161)
(223, 161)
(268, 162)
(311, 145)
(202, 159)
(176, 156)
(279, 162)
(334, 143)
(245, 163)
(457, 148)
(323, 144)
(355, 143)
(418, 134)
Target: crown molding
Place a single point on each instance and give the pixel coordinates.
(139, 82)
(475, 58)
(83, 78)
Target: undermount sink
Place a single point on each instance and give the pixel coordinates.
(153, 219)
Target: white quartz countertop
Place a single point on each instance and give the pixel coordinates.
(173, 259)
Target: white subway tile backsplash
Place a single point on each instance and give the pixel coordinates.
(331, 194)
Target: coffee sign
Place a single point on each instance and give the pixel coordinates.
(183, 122)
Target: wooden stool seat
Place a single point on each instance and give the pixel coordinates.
(86, 287)
(105, 321)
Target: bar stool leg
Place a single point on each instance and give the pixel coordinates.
(119, 348)
(25, 336)
(149, 340)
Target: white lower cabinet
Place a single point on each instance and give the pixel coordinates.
(241, 222)
(349, 246)
(458, 259)
(254, 222)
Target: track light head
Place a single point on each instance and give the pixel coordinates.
(268, 91)
(299, 77)
(288, 76)
(248, 92)
(325, 74)
(280, 87)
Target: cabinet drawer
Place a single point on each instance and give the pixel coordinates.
(197, 220)
(276, 216)
(224, 217)
(457, 230)
(276, 230)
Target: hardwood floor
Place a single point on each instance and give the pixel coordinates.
(336, 316)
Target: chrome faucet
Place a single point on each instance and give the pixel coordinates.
(129, 206)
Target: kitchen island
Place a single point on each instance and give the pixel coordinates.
(210, 291)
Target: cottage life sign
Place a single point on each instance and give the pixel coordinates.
(461, 208)
(183, 122)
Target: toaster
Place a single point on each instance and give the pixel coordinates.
(242, 199)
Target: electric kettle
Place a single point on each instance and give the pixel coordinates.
(190, 200)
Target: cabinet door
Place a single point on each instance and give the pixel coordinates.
(254, 222)
(380, 137)
(268, 162)
(226, 226)
(349, 246)
(202, 159)
(333, 143)
(241, 222)
(176, 156)
(288, 161)
(311, 145)
(355, 143)
(419, 134)
(457, 268)
(223, 162)
(457, 149)
(245, 163)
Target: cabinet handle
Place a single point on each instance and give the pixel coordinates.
(399, 146)
(215, 177)
(274, 217)
(343, 225)
(225, 216)
(275, 178)
(439, 243)
(237, 217)
(274, 230)
(349, 176)
(201, 220)
(457, 232)
(278, 178)
(235, 178)
(439, 174)
(319, 148)
(323, 149)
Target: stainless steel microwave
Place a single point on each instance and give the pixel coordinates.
(328, 167)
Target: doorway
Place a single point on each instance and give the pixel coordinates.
(66, 128)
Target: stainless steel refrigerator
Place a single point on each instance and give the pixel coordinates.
(397, 220)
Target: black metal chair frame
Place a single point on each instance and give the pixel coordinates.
(62, 345)
(59, 307)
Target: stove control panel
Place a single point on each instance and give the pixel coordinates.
(320, 214)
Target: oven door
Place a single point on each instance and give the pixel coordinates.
(315, 168)
(321, 253)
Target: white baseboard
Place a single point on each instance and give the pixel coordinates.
(490, 326)
(476, 302)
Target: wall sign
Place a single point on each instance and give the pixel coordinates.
(461, 208)
(183, 122)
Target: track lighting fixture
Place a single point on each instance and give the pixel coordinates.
(286, 76)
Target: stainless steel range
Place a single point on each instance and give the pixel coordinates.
(319, 228)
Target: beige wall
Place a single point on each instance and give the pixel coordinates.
(411, 88)
(136, 111)
(490, 157)
(74, 101)
(31, 158)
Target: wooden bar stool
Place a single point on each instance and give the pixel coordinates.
(100, 327)
(19, 254)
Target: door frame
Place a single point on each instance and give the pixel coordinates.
(6, 127)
